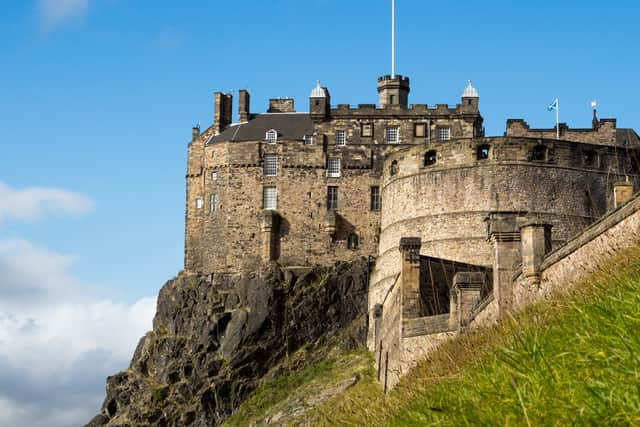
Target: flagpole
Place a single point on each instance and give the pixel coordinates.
(557, 118)
(393, 39)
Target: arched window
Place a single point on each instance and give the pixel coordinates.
(483, 152)
(393, 169)
(353, 242)
(430, 158)
(272, 136)
(539, 153)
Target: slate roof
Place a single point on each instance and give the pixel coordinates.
(292, 126)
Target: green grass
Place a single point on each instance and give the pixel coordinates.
(571, 360)
(289, 390)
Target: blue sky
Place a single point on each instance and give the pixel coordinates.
(98, 97)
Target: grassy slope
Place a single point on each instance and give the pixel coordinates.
(571, 360)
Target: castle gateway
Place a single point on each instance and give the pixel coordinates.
(449, 215)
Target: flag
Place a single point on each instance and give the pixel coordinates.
(553, 105)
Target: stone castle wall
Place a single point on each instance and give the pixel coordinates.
(446, 204)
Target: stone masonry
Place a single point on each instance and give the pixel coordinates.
(449, 214)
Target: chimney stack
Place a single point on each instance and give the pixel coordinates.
(244, 106)
(222, 111)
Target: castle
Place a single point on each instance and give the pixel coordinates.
(461, 226)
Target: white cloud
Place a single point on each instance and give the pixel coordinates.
(54, 13)
(33, 203)
(57, 341)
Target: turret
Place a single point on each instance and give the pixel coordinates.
(393, 91)
(470, 99)
(319, 102)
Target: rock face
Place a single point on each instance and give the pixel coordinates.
(213, 340)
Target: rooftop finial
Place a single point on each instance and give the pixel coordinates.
(318, 91)
(470, 91)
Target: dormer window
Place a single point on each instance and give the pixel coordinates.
(272, 136)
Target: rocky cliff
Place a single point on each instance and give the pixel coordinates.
(215, 338)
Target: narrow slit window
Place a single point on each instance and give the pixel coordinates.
(332, 198)
(213, 203)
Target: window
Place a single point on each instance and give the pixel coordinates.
(391, 135)
(539, 153)
(590, 158)
(341, 138)
(214, 176)
(272, 136)
(367, 130)
(333, 168)
(332, 198)
(393, 169)
(444, 134)
(483, 152)
(430, 158)
(420, 130)
(376, 200)
(199, 203)
(308, 140)
(269, 198)
(270, 165)
(353, 241)
(213, 203)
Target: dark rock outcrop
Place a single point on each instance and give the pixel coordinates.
(214, 339)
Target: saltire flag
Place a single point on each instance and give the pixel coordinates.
(553, 105)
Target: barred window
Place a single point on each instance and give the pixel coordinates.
(376, 200)
(341, 138)
(213, 203)
(214, 176)
(269, 198)
(272, 136)
(391, 134)
(270, 165)
(332, 198)
(308, 140)
(444, 134)
(333, 168)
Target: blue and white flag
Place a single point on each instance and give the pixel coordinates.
(553, 105)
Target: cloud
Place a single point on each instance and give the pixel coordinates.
(33, 203)
(58, 342)
(54, 13)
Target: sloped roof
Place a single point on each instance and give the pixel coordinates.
(627, 137)
(289, 126)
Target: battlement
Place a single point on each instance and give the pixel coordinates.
(603, 131)
(398, 77)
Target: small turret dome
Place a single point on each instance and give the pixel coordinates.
(470, 91)
(318, 91)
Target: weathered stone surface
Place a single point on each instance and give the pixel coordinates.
(212, 342)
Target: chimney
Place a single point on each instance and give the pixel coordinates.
(279, 105)
(222, 111)
(244, 111)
